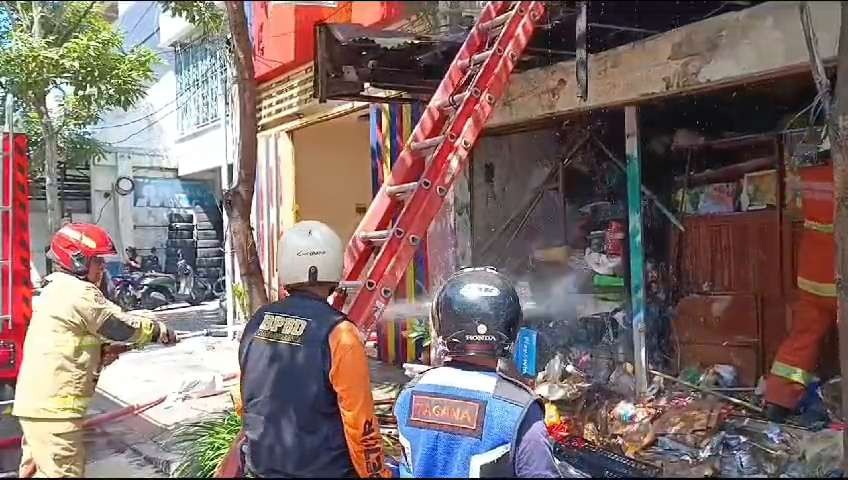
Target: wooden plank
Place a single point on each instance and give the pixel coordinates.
(637, 252)
(753, 44)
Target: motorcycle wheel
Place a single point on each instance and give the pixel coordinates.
(154, 299)
(125, 299)
(219, 289)
(199, 293)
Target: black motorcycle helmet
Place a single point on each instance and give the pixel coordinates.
(476, 312)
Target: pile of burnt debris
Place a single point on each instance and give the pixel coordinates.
(698, 424)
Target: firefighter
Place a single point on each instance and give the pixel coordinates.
(63, 352)
(473, 417)
(814, 310)
(305, 382)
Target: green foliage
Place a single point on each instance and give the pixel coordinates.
(204, 15)
(204, 444)
(79, 61)
(76, 146)
(240, 294)
(421, 331)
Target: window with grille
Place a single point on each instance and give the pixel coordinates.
(200, 71)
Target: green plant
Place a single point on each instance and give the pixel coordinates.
(203, 444)
(240, 295)
(66, 65)
(421, 331)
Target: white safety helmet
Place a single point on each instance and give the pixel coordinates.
(310, 253)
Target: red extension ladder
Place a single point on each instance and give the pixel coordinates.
(408, 201)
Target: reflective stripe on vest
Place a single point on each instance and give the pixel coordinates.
(66, 404)
(818, 227)
(794, 374)
(817, 288)
(146, 335)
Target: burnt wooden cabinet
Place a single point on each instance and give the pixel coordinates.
(731, 273)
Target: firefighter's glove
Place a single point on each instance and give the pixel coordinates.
(167, 336)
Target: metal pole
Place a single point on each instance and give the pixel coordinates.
(637, 252)
(225, 184)
(3, 210)
(10, 134)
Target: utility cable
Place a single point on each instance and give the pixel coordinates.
(205, 77)
(140, 18)
(197, 88)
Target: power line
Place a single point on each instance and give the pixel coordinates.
(197, 88)
(205, 76)
(154, 32)
(140, 18)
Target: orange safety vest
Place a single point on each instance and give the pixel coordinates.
(816, 257)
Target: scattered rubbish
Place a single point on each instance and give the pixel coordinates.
(622, 380)
(552, 416)
(737, 459)
(559, 431)
(730, 399)
(831, 392)
(624, 412)
(719, 376)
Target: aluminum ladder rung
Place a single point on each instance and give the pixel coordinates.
(402, 189)
(475, 60)
(377, 237)
(426, 144)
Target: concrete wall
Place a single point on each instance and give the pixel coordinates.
(505, 170)
(333, 172)
(117, 213)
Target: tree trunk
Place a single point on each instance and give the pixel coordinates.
(51, 142)
(837, 124)
(239, 201)
(51, 161)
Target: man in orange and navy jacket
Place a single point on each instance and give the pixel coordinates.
(814, 311)
(307, 408)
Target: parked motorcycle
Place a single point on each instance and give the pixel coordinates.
(151, 290)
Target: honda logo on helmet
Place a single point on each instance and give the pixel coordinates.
(480, 338)
(477, 290)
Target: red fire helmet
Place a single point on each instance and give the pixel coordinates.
(75, 244)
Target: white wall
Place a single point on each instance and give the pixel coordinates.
(146, 139)
(153, 121)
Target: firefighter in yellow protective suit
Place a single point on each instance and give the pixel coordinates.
(814, 310)
(64, 352)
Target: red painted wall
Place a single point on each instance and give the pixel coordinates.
(284, 34)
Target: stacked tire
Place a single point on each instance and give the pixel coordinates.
(210, 244)
(181, 240)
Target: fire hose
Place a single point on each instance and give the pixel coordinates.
(130, 410)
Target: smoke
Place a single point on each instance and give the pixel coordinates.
(553, 297)
(402, 310)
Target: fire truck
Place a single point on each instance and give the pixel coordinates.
(16, 287)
